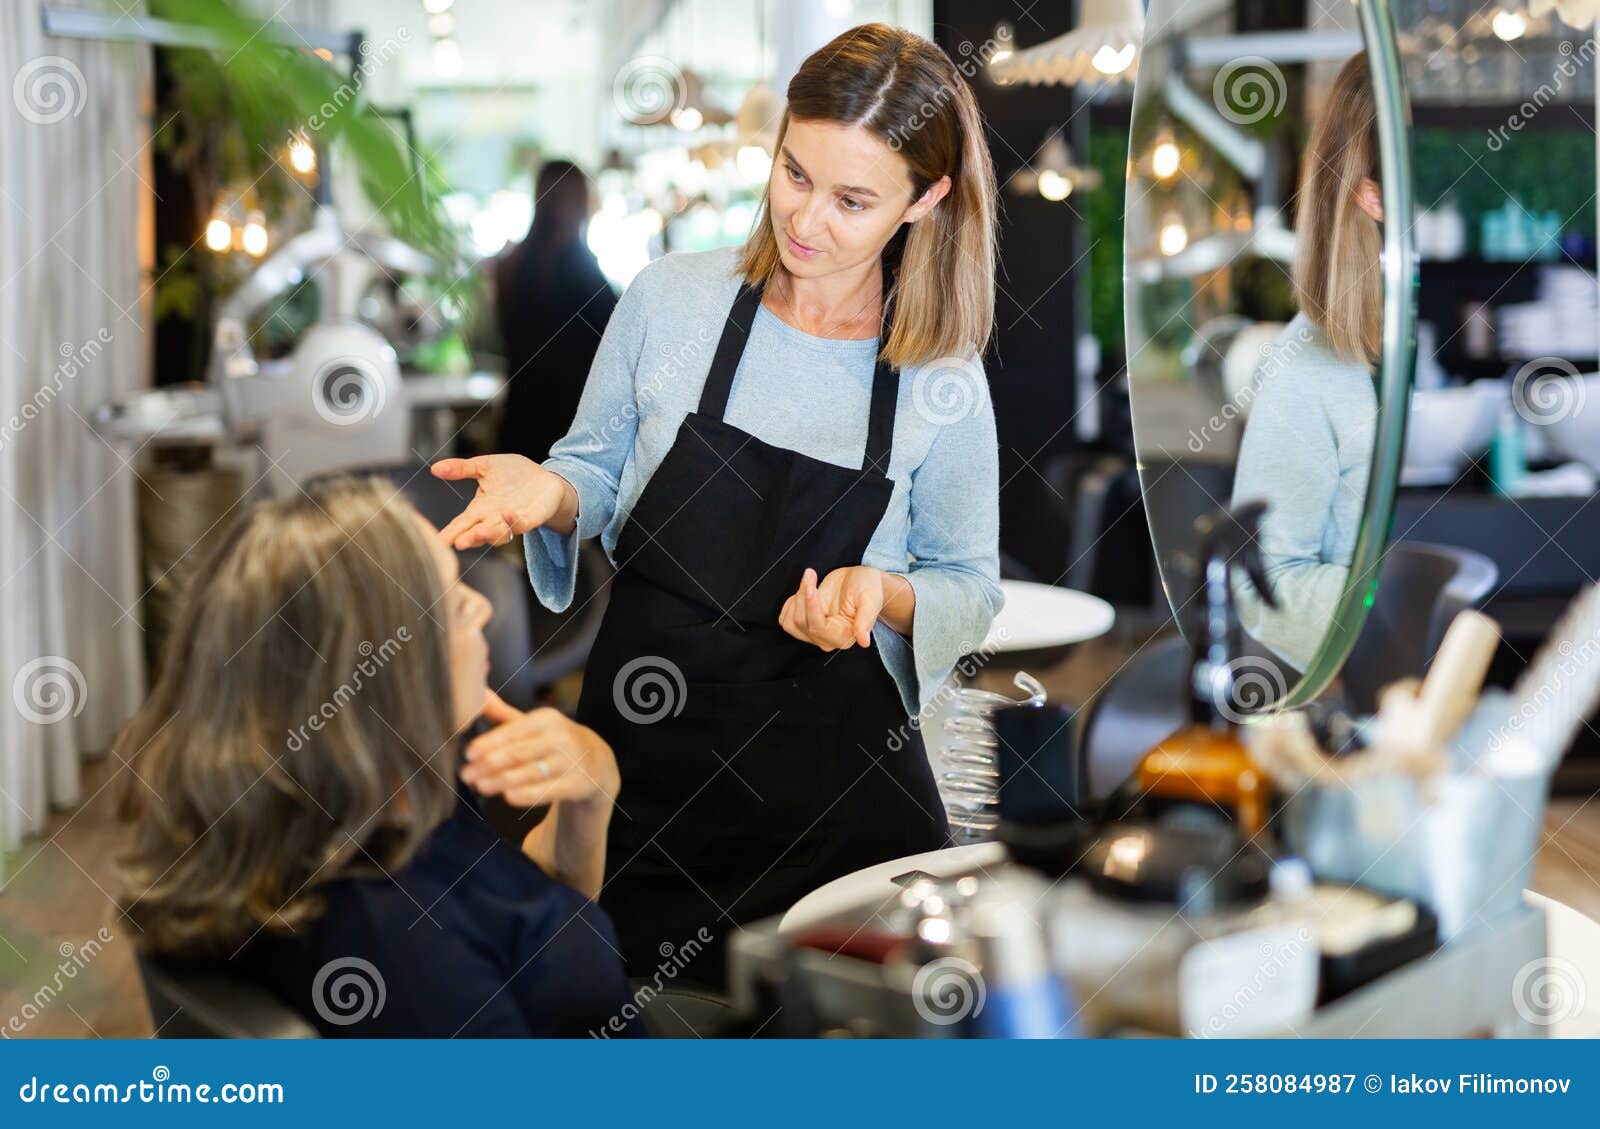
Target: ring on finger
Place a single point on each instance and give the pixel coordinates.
(544, 769)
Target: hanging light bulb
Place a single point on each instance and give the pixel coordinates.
(1509, 25)
(436, 7)
(1111, 62)
(754, 164)
(688, 118)
(219, 234)
(1174, 236)
(446, 58)
(1002, 39)
(1054, 186)
(1165, 157)
(254, 236)
(302, 155)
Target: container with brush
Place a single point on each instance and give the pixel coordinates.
(1444, 805)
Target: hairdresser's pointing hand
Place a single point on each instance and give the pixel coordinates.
(515, 495)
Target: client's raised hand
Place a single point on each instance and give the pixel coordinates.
(542, 757)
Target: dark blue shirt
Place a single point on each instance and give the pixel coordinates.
(469, 938)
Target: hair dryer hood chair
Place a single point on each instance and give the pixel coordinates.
(337, 400)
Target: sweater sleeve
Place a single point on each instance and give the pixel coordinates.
(954, 546)
(592, 454)
(1289, 458)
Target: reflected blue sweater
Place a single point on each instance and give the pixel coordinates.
(807, 394)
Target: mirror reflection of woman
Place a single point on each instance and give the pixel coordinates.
(789, 453)
(1307, 447)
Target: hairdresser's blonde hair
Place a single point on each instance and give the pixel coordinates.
(322, 606)
(908, 93)
(1337, 278)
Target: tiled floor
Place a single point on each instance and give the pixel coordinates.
(58, 895)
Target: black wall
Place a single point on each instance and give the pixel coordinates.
(1031, 361)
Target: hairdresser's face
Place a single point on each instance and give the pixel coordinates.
(466, 613)
(837, 195)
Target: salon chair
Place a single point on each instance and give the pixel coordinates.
(680, 1012)
(1142, 703)
(1421, 588)
(204, 1001)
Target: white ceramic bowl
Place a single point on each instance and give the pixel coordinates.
(1448, 428)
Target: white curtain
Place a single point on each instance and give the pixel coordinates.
(75, 248)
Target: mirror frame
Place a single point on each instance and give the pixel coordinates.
(1397, 360)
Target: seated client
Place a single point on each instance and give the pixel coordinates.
(298, 803)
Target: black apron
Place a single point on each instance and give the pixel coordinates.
(754, 767)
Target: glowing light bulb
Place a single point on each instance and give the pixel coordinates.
(302, 156)
(1174, 236)
(1165, 158)
(1509, 25)
(1053, 186)
(1002, 42)
(446, 57)
(254, 237)
(219, 234)
(688, 119)
(1109, 61)
(754, 163)
(436, 7)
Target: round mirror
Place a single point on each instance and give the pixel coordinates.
(1269, 300)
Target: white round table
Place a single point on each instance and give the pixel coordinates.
(1037, 617)
(1573, 945)
(878, 882)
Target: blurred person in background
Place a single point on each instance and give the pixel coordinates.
(552, 304)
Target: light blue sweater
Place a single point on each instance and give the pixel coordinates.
(1307, 452)
(804, 393)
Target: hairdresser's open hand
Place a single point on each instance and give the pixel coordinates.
(841, 610)
(541, 757)
(515, 494)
